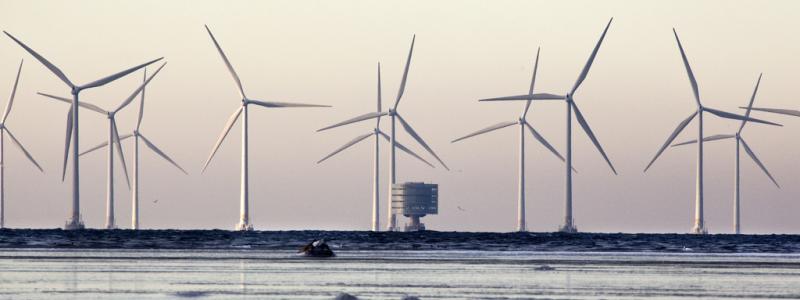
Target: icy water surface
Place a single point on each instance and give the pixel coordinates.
(158, 264)
(450, 274)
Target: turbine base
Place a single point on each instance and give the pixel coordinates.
(568, 228)
(242, 226)
(74, 224)
(699, 229)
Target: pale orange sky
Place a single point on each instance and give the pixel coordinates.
(326, 52)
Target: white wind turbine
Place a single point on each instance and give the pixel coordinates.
(523, 123)
(3, 130)
(75, 221)
(137, 134)
(244, 220)
(569, 221)
(699, 224)
(113, 139)
(378, 135)
(739, 141)
(391, 224)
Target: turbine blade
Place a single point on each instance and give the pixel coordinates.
(688, 69)
(161, 153)
(139, 89)
(758, 162)
(790, 112)
(728, 115)
(588, 131)
(67, 142)
(110, 78)
(419, 140)
(533, 81)
(88, 106)
(272, 104)
(118, 146)
(350, 143)
(671, 137)
(543, 141)
(22, 148)
(222, 136)
(485, 130)
(227, 64)
(360, 118)
(589, 62)
(750, 106)
(44, 61)
(706, 139)
(141, 103)
(405, 74)
(539, 96)
(405, 149)
(13, 93)
(103, 145)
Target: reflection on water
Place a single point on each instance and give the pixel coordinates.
(248, 274)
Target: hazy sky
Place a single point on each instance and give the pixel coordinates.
(326, 52)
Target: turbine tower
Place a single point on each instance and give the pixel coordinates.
(3, 131)
(113, 139)
(739, 144)
(244, 219)
(523, 123)
(699, 226)
(569, 220)
(391, 224)
(378, 135)
(74, 221)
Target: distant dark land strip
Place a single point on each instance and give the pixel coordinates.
(428, 240)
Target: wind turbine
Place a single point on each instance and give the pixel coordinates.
(569, 222)
(3, 130)
(75, 222)
(378, 135)
(136, 136)
(391, 224)
(113, 139)
(523, 123)
(244, 220)
(739, 141)
(699, 225)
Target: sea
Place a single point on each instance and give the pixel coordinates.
(218, 264)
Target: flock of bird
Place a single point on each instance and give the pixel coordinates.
(114, 139)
